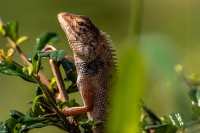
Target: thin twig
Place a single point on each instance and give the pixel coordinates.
(59, 80)
(42, 81)
(57, 74)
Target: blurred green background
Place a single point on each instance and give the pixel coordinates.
(165, 33)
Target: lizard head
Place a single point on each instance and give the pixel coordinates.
(82, 34)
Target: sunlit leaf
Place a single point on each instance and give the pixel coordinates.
(53, 82)
(21, 39)
(14, 69)
(10, 53)
(11, 29)
(36, 63)
(2, 55)
(2, 30)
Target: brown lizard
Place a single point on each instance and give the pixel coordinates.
(95, 65)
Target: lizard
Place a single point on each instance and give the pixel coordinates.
(95, 64)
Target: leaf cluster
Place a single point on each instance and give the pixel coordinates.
(45, 107)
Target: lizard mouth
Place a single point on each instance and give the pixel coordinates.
(66, 22)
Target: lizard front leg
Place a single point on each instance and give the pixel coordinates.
(87, 93)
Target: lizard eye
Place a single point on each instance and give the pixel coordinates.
(81, 23)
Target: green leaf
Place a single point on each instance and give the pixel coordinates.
(36, 125)
(18, 116)
(44, 39)
(194, 94)
(56, 55)
(70, 70)
(150, 115)
(87, 126)
(162, 128)
(21, 39)
(10, 124)
(69, 103)
(36, 63)
(14, 69)
(175, 119)
(11, 29)
(22, 123)
(36, 107)
(2, 29)
(3, 128)
(71, 75)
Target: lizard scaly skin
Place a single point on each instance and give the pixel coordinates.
(95, 65)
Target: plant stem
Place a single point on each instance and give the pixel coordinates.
(59, 80)
(57, 74)
(71, 127)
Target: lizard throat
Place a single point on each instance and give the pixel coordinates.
(90, 68)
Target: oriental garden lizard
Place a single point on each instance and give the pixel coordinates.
(94, 59)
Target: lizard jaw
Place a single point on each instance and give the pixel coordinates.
(66, 22)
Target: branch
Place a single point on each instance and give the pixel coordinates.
(57, 74)
(24, 58)
(44, 84)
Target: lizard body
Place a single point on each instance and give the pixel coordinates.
(95, 65)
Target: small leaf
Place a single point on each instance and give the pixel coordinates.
(36, 63)
(14, 69)
(10, 124)
(30, 69)
(2, 30)
(194, 94)
(70, 70)
(56, 55)
(69, 103)
(53, 82)
(44, 39)
(16, 115)
(38, 91)
(21, 39)
(3, 128)
(175, 119)
(193, 79)
(36, 102)
(2, 55)
(11, 29)
(36, 125)
(10, 53)
(87, 126)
